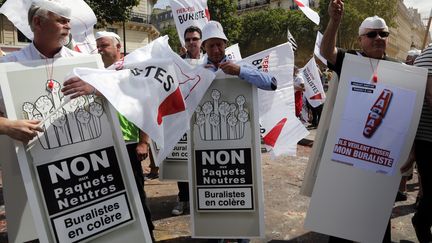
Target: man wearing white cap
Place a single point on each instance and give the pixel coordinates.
(373, 33)
(411, 56)
(214, 42)
(49, 21)
(109, 46)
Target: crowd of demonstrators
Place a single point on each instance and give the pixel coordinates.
(51, 27)
(372, 36)
(192, 50)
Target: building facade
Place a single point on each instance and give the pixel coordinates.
(162, 18)
(136, 33)
(408, 33)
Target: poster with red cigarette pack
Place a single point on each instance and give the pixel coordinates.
(369, 136)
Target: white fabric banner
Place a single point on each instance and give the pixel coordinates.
(280, 128)
(233, 53)
(317, 51)
(82, 21)
(314, 90)
(187, 13)
(312, 15)
(155, 89)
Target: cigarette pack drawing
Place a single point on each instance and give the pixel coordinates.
(77, 121)
(220, 120)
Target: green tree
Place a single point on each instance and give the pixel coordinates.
(174, 40)
(225, 12)
(355, 12)
(111, 11)
(267, 28)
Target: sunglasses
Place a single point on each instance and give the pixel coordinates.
(192, 39)
(373, 34)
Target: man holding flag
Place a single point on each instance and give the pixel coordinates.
(215, 43)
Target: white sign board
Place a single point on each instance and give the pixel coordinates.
(227, 197)
(175, 165)
(348, 200)
(76, 173)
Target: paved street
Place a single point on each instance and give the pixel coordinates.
(285, 209)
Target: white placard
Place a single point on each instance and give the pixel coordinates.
(344, 192)
(80, 159)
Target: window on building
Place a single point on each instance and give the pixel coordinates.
(22, 37)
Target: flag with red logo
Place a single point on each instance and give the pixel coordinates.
(82, 21)
(188, 13)
(155, 89)
(314, 90)
(280, 128)
(312, 15)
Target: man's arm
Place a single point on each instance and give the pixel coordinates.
(252, 75)
(22, 130)
(142, 149)
(328, 44)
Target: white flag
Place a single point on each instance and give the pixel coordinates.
(187, 13)
(82, 21)
(280, 128)
(314, 91)
(155, 89)
(317, 51)
(312, 15)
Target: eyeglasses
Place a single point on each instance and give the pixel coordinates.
(373, 34)
(192, 39)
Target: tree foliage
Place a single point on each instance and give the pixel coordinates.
(111, 11)
(225, 11)
(267, 28)
(355, 12)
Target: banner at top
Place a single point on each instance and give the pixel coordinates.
(187, 13)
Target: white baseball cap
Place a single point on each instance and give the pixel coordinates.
(101, 34)
(374, 22)
(414, 52)
(55, 6)
(213, 29)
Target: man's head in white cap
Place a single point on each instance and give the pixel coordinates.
(373, 33)
(108, 45)
(49, 21)
(411, 56)
(214, 41)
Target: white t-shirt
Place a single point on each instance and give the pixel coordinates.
(29, 53)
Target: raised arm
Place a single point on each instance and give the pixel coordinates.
(328, 44)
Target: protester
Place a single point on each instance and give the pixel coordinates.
(137, 141)
(49, 21)
(299, 87)
(408, 167)
(214, 42)
(373, 33)
(412, 56)
(422, 220)
(192, 37)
